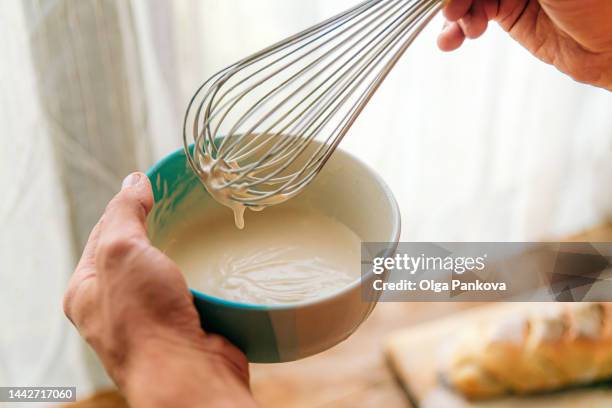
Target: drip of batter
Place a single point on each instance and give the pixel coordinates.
(216, 174)
(281, 257)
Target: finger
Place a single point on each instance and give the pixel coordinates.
(124, 221)
(475, 23)
(491, 8)
(451, 37)
(126, 214)
(88, 257)
(79, 289)
(457, 9)
(221, 347)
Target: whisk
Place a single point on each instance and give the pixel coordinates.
(264, 127)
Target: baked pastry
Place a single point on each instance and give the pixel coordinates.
(558, 346)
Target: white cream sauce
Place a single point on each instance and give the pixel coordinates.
(284, 255)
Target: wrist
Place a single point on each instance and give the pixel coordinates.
(174, 373)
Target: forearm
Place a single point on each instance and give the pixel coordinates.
(170, 377)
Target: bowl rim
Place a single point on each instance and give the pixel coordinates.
(395, 235)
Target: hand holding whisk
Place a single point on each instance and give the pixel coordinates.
(253, 124)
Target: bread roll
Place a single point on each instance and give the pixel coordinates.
(558, 346)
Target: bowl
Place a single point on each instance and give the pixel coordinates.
(346, 190)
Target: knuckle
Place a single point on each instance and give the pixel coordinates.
(78, 301)
(67, 302)
(117, 201)
(222, 347)
(131, 199)
(217, 344)
(116, 250)
(224, 354)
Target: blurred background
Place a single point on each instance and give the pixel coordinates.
(483, 144)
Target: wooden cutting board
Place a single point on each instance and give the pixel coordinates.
(413, 356)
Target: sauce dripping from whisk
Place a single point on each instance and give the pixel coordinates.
(215, 176)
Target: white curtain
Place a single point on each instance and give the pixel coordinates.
(483, 144)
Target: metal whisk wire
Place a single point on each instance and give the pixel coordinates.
(256, 121)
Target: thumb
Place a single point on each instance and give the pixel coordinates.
(124, 220)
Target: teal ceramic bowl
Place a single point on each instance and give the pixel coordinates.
(346, 190)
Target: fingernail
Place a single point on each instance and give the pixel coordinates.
(130, 180)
